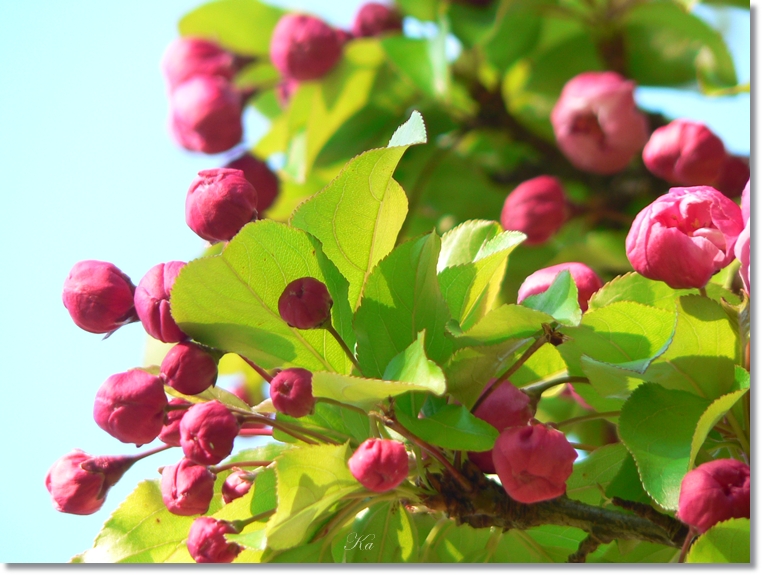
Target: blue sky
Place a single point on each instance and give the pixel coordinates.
(90, 172)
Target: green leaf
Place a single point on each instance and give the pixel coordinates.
(384, 533)
(243, 26)
(657, 426)
(508, 322)
(516, 32)
(317, 552)
(358, 215)
(310, 481)
(716, 411)
(264, 497)
(594, 472)
(559, 300)
(412, 365)
(726, 542)
(230, 301)
(401, 299)
(252, 540)
(422, 61)
(452, 427)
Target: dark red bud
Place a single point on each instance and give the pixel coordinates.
(379, 464)
(187, 488)
(259, 175)
(304, 47)
(536, 207)
(207, 432)
(188, 57)
(305, 304)
(152, 302)
(207, 543)
(291, 392)
(374, 19)
(189, 368)
(170, 433)
(236, 485)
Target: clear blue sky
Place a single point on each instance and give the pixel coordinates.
(90, 172)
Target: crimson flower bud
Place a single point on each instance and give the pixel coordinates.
(259, 175)
(130, 406)
(374, 19)
(586, 280)
(305, 304)
(99, 296)
(291, 392)
(684, 237)
(170, 432)
(188, 57)
(536, 207)
(219, 203)
(715, 491)
(242, 392)
(236, 485)
(742, 253)
(733, 176)
(78, 482)
(507, 406)
(379, 464)
(207, 543)
(304, 47)
(187, 488)
(206, 115)
(207, 432)
(533, 462)
(597, 126)
(284, 90)
(189, 368)
(152, 302)
(746, 201)
(685, 153)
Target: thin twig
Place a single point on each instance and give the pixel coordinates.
(332, 330)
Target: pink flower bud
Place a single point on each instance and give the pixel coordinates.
(304, 47)
(187, 488)
(685, 153)
(597, 126)
(207, 432)
(746, 201)
(536, 207)
(78, 482)
(189, 368)
(507, 406)
(291, 392)
(170, 432)
(586, 280)
(206, 115)
(259, 175)
(152, 302)
(188, 57)
(207, 544)
(684, 237)
(374, 19)
(219, 203)
(742, 253)
(130, 406)
(284, 90)
(99, 296)
(533, 462)
(242, 392)
(715, 491)
(236, 485)
(733, 176)
(305, 304)
(379, 464)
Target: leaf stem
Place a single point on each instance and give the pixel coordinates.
(740, 435)
(580, 419)
(241, 523)
(280, 425)
(341, 404)
(542, 386)
(152, 452)
(261, 371)
(220, 468)
(344, 346)
(584, 446)
(702, 291)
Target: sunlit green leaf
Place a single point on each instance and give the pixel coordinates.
(726, 542)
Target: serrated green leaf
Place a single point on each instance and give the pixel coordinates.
(230, 301)
(559, 300)
(401, 299)
(358, 215)
(452, 427)
(592, 475)
(254, 540)
(509, 321)
(657, 426)
(516, 31)
(382, 534)
(412, 365)
(422, 61)
(317, 552)
(264, 497)
(311, 480)
(627, 484)
(716, 411)
(726, 542)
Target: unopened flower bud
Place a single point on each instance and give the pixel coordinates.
(685, 153)
(236, 485)
(188, 57)
(170, 432)
(207, 544)
(187, 488)
(375, 19)
(733, 176)
(305, 304)
(379, 464)
(536, 207)
(189, 368)
(130, 406)
(291, 392)
(746, 201)
(715, 491)
(507, 406)
(742, 253)
(597, 126)
(259, 175)
(219, 203)
(206, 115)
(533, 462)
(586, 280)
(99, 296)
(207, 432)
(152, 302)
(78, 482)
(284, 90)
(684, 237)
(304, 47)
